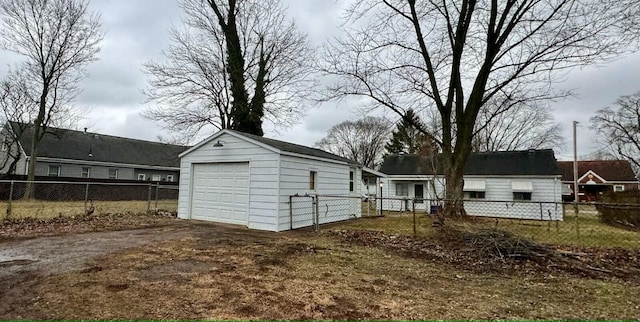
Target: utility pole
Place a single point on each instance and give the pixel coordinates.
(575, 179)
(575, 163)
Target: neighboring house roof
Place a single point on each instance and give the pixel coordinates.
(78, 145)
(527, 163)
(609, 170)
(277, 145)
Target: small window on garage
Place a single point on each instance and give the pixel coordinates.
(170, 177)
(86, 172)
(474, 189)
(474, 194)
(402, 189)
(113, 174)
(519, 195)
(142, 177)
(618, 188)
(351, 180)
(522, 189)
(54, 170)
(156, 177)
(313, 177)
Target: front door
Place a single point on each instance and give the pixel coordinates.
(419, 193)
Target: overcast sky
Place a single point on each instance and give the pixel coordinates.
(136, 31)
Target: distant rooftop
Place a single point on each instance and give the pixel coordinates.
(526, 162)
(610, 170)
(88, 146)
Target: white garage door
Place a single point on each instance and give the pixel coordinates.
(221, 192)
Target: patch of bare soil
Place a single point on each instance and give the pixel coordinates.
(33, 227)
(497, 251)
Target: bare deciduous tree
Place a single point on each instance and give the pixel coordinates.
(57, 38)
(455, 56)
(362, 141)
(15, 105)
(619, 126)
(231, 65)
(527, 126)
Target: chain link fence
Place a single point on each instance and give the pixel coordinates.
(48, 199)
(554, 223)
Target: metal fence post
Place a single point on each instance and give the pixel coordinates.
(291, 212)
(317, 211)
(157, 189)
(10, 199)
(575, 212)
(86, 197)
(149, 198)
(414, 217)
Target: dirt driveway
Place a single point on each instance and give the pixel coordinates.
(195, 270)
(24, 263)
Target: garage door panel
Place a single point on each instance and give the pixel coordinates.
(221, 192)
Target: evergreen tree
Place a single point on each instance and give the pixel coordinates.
(407, 139)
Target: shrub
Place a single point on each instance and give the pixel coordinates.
(620, 208)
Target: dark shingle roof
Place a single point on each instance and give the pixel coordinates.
(610, 170)
(530, 162)
(76, 145)
(295, 148)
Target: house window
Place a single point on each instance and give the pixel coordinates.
(170, 177)
(618, 188)
(402, 189)
(351, 176)
(474, 194)
(5, 144)
(54, 170)
(313, 177)
(521, 195)
(113, 173)
(141, 177)
(86, 172)
(156, 177)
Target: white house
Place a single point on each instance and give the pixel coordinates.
(238, 178)
(510, 184)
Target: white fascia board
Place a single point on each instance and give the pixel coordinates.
(594, 174)
(374, 172)
(410, 178)
(201, 143)
(260, 144)
(108, 164)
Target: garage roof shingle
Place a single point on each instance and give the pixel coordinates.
(295, 148)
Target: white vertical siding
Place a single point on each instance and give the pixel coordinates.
(263, 186)
(332, 179)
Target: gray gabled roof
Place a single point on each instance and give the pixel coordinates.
(511, 163)
(294, 148)
(78, 145)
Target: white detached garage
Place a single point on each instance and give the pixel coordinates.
(238, 178)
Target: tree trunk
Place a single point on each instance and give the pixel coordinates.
(453, 206)
(29, 192)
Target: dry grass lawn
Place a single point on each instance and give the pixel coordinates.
(314, 277)
(50, 209)
(586, 230)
